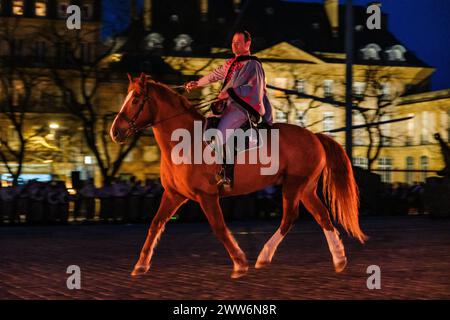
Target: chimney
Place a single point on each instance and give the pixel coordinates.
(332, 10)
(147, 14)
(204, 9)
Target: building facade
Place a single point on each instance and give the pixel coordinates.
(301, 46)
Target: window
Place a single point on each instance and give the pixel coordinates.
(396, 53)
(328, 88)
(448, 126)
(17, 47)
(424, 130)
(385, 91)
(444, 125)
(328, 122)
(18, 93)
(87, 11)
(361, 162)
(281, 117)
(88, 160)
(300, 119)
(300, 85)
(358, 137)
(410, 131)
(40, 50)
(62, 53)
(409, 166)
(386, 130)
(18, 7)
(358, 89)
(423, 166)
(154, 41)
(40, 8)
(183, 43)
(384, 165)
(280, 83)
(86, 54)
(371, 52)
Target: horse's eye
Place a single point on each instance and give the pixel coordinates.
(135, 100)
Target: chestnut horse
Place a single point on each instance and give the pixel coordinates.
(304, 157)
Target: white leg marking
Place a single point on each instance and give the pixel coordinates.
(266, 254)
(337, 249)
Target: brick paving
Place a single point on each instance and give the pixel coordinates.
(412, 252)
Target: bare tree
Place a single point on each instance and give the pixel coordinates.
(78, 74)
(375, 118)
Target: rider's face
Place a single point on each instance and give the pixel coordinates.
(239, 46)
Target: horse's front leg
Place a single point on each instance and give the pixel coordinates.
(170, 203)
(211, 207)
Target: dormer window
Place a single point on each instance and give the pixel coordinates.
(371, 52)
(183, 43)
(40, 8)
(396, 53)
(174, 18)
(154, 41)
(18, 7)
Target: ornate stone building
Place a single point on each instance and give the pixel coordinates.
(302, 48)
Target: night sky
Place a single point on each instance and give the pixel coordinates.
(423, 26)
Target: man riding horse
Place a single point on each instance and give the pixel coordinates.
(243, 94)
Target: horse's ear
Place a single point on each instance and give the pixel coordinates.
(130, 78)
(142, 78)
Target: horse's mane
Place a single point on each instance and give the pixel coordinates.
(172, 94)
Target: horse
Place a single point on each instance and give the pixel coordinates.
(304, 159)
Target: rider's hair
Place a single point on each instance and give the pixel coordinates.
(246, 34)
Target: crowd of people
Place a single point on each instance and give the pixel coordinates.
(50, 202)
(134, 201)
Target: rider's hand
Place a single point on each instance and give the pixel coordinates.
(191, 85)
(223, 95)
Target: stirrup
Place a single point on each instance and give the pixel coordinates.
(222, 179)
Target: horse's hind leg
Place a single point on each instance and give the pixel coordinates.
(321, 214)
(170, 202)
(291, 193)
(211, 207)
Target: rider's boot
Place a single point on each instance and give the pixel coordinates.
(225, 176)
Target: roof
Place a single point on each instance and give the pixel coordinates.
(303, 25)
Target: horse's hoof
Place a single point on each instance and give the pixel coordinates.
(261, 264)
(239, 273)
(139, 270)
(340, 266)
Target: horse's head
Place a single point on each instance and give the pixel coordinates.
(135, 113)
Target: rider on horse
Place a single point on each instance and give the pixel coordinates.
(243, 92)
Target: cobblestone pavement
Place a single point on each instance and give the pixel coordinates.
(412, 252)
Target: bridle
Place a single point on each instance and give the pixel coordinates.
(132, 122)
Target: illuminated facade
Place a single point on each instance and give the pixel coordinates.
(301, 46)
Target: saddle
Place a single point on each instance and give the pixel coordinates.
(251, 142)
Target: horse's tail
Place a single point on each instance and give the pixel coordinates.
(340, 188)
